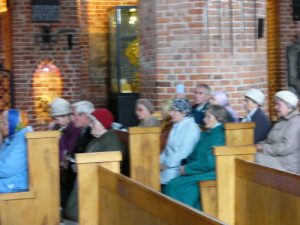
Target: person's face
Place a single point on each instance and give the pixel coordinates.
(80, 120)
(176, 116)
(249, 105)
(214, 101)
(281, 108)
(4, 124)
(210, 120)
(62, 121)
(142, 112)
(201, 96)
(96, 128)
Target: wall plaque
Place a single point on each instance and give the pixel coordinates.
(45, 10)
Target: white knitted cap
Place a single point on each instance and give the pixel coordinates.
(60, 107)
(255, 95)
(288, 97)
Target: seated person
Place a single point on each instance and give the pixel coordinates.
(105, 140)
(201, 103)
(200, 165)
(61, 115)
(253, 101)
(221, 98)
(281, 148)
(182, 138)
(13, 152)
(144, 109)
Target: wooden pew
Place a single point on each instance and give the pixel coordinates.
(40, 205)
(143, 144)
(265, 195)
(88, 181)
(125, 201)
(236, 134)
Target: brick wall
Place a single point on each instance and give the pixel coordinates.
(207, 41)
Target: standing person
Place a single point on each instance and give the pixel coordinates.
(253, 101)
(202, 96)
(81, 112)
(200, 165)
(281, 148)
(221, 98)
(13, 152)
(144, 109)
(182, 138)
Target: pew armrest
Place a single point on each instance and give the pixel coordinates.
(18, 196)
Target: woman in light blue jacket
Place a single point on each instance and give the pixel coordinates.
(182, 139)
(13, 152)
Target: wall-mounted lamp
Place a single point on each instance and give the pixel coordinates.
(46, 38)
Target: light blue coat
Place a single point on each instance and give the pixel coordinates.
(182, 139)
(14, 163)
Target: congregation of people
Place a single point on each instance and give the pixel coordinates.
(189, 133)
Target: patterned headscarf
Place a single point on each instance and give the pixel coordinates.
(16, 121)
(181, 105)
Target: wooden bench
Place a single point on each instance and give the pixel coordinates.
(143, 144)
(88, 181)
(265, 195)
(40, 205)
(236, 134)
(122, 200)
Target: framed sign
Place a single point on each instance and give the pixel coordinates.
(45, 11)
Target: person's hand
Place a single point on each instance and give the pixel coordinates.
(181, 170)
(259, 147)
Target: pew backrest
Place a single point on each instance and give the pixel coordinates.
(239, 133)
(88, 181)
(40, 205)
(265, 195)
(125, 201)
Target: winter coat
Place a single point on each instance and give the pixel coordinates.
(281, 149)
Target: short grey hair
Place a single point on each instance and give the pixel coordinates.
(206, 87)
(83, 107)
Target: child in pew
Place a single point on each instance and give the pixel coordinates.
(105, 140)
(281, 148)
(13, 152)
(200, 165)
(253, 101)
(144, 110)
(182, 138)
(221, 98)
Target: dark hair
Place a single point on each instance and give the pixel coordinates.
(219, 112)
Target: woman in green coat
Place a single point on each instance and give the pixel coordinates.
(200, 165)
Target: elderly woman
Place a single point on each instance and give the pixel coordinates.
(253, 101)
(281, 148)
(182, 138)
(105, 140)
(221, 98)
(200, 165)
(144, 109)
(13, 152)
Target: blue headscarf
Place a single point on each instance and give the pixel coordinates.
(13, 118)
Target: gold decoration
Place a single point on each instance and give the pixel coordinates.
(132, 52)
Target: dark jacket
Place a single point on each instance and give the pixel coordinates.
(199, 113)
(262, 125)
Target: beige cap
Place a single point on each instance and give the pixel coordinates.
(288, 97)
(60, 107)
(255, 95)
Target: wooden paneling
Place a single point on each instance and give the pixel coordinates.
(40, 205)
(239, 133)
